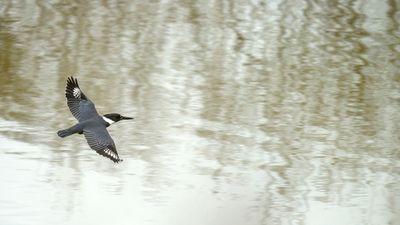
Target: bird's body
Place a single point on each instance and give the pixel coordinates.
(90, 123)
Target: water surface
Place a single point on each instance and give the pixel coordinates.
(246, 112)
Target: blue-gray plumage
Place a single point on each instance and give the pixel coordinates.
(90, 123)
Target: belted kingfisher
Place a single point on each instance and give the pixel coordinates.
(90, 123)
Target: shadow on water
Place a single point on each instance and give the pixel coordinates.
(275, 112)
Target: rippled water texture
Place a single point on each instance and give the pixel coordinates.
(246, 112)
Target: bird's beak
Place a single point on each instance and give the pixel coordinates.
(126, 118)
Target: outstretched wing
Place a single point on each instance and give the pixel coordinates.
(101, 141)
(80, 106)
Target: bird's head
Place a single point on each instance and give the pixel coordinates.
(114, 117)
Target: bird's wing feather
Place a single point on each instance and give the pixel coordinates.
(80, 106)
(101, 141)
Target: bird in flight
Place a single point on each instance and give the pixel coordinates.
(90, 123)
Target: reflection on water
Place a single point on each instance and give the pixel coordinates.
(261, 112)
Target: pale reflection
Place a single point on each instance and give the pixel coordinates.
(262, 112)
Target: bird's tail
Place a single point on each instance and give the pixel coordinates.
(64, 133)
